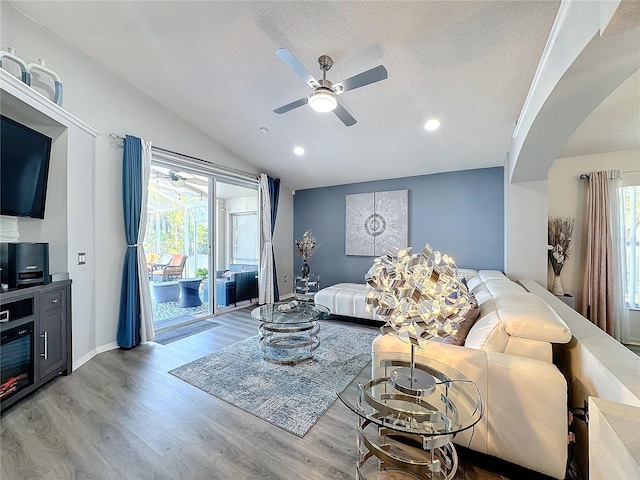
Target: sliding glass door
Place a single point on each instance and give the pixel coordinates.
(203, 233)
(237, 244)
(177, 245)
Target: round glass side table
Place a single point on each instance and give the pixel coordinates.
(410, 433)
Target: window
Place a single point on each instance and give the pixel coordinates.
(631, 212)
(244, 238)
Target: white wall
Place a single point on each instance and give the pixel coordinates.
(108, 104)
(525, 229)
(568, 197)
(283, 242)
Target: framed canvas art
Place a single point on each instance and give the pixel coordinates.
(375, 222)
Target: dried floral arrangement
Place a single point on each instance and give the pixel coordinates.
(306, 246)
(560, 233)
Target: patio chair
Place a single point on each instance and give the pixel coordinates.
(152, 260)
(159, 263)
(172, 271)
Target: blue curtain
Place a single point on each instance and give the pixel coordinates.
(129, 324)
(274, 194)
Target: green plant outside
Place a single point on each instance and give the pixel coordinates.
(202, 273)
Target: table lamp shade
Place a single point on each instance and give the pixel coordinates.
(420, 296)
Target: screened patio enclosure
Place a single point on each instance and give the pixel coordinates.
(177, 222)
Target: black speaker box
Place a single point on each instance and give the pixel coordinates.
(24, 264)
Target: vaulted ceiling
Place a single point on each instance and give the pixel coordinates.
(468, 64)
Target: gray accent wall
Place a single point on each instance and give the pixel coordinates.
(459, 213)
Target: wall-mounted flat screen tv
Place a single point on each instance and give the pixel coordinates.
(24, 169)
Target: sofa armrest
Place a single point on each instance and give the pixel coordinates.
(527, 413)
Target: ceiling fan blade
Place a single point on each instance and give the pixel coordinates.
(294, 64)
(196, 180)
(365, 78)
(291, 106)
(195, 190)
(345, 116)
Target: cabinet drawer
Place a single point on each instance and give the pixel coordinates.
(52, 300)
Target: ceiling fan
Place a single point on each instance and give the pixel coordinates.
(324, 96)
(178, 180)
(181, 180)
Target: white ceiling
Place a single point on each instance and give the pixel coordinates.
(470, 64)
(614, 125)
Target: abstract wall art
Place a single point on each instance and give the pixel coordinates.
(376, 222)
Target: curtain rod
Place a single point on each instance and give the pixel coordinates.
(585, 176)
(116, 142)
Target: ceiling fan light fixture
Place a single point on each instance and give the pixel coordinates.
(432, 125)
(323, 100)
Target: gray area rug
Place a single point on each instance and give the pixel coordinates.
(291, 397)
(178, 333)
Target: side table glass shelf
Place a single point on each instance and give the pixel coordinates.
(412, 434)
(307, 287)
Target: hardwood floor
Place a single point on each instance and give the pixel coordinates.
(121, 416)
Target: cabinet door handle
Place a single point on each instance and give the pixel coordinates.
(55, 300)
(45, 355)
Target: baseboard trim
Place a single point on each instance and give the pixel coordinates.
(89, 355)
(107, 347)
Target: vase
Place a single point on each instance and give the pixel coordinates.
(305, 269)
(557, 289)
(10, 55)
(41, 72)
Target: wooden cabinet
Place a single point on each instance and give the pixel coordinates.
(53, 331)
(44, 310)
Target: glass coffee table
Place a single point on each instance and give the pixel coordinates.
(407, 432)
(289, 331)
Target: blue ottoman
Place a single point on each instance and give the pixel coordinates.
(189, 292)
(165, 292)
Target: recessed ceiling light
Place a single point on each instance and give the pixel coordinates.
(432, 124)
(298, 151)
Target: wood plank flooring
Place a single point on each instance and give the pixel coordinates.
(121, 416)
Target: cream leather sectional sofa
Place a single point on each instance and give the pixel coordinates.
(508, 354)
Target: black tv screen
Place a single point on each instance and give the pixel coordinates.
(24, 169)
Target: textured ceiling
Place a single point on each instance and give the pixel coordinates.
(613, 125)
(470, 64)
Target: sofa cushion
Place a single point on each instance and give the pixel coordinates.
(515, 313)
(346, 299)
(526, 315)
(464, 326)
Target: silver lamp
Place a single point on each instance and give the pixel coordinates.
(420, 296)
